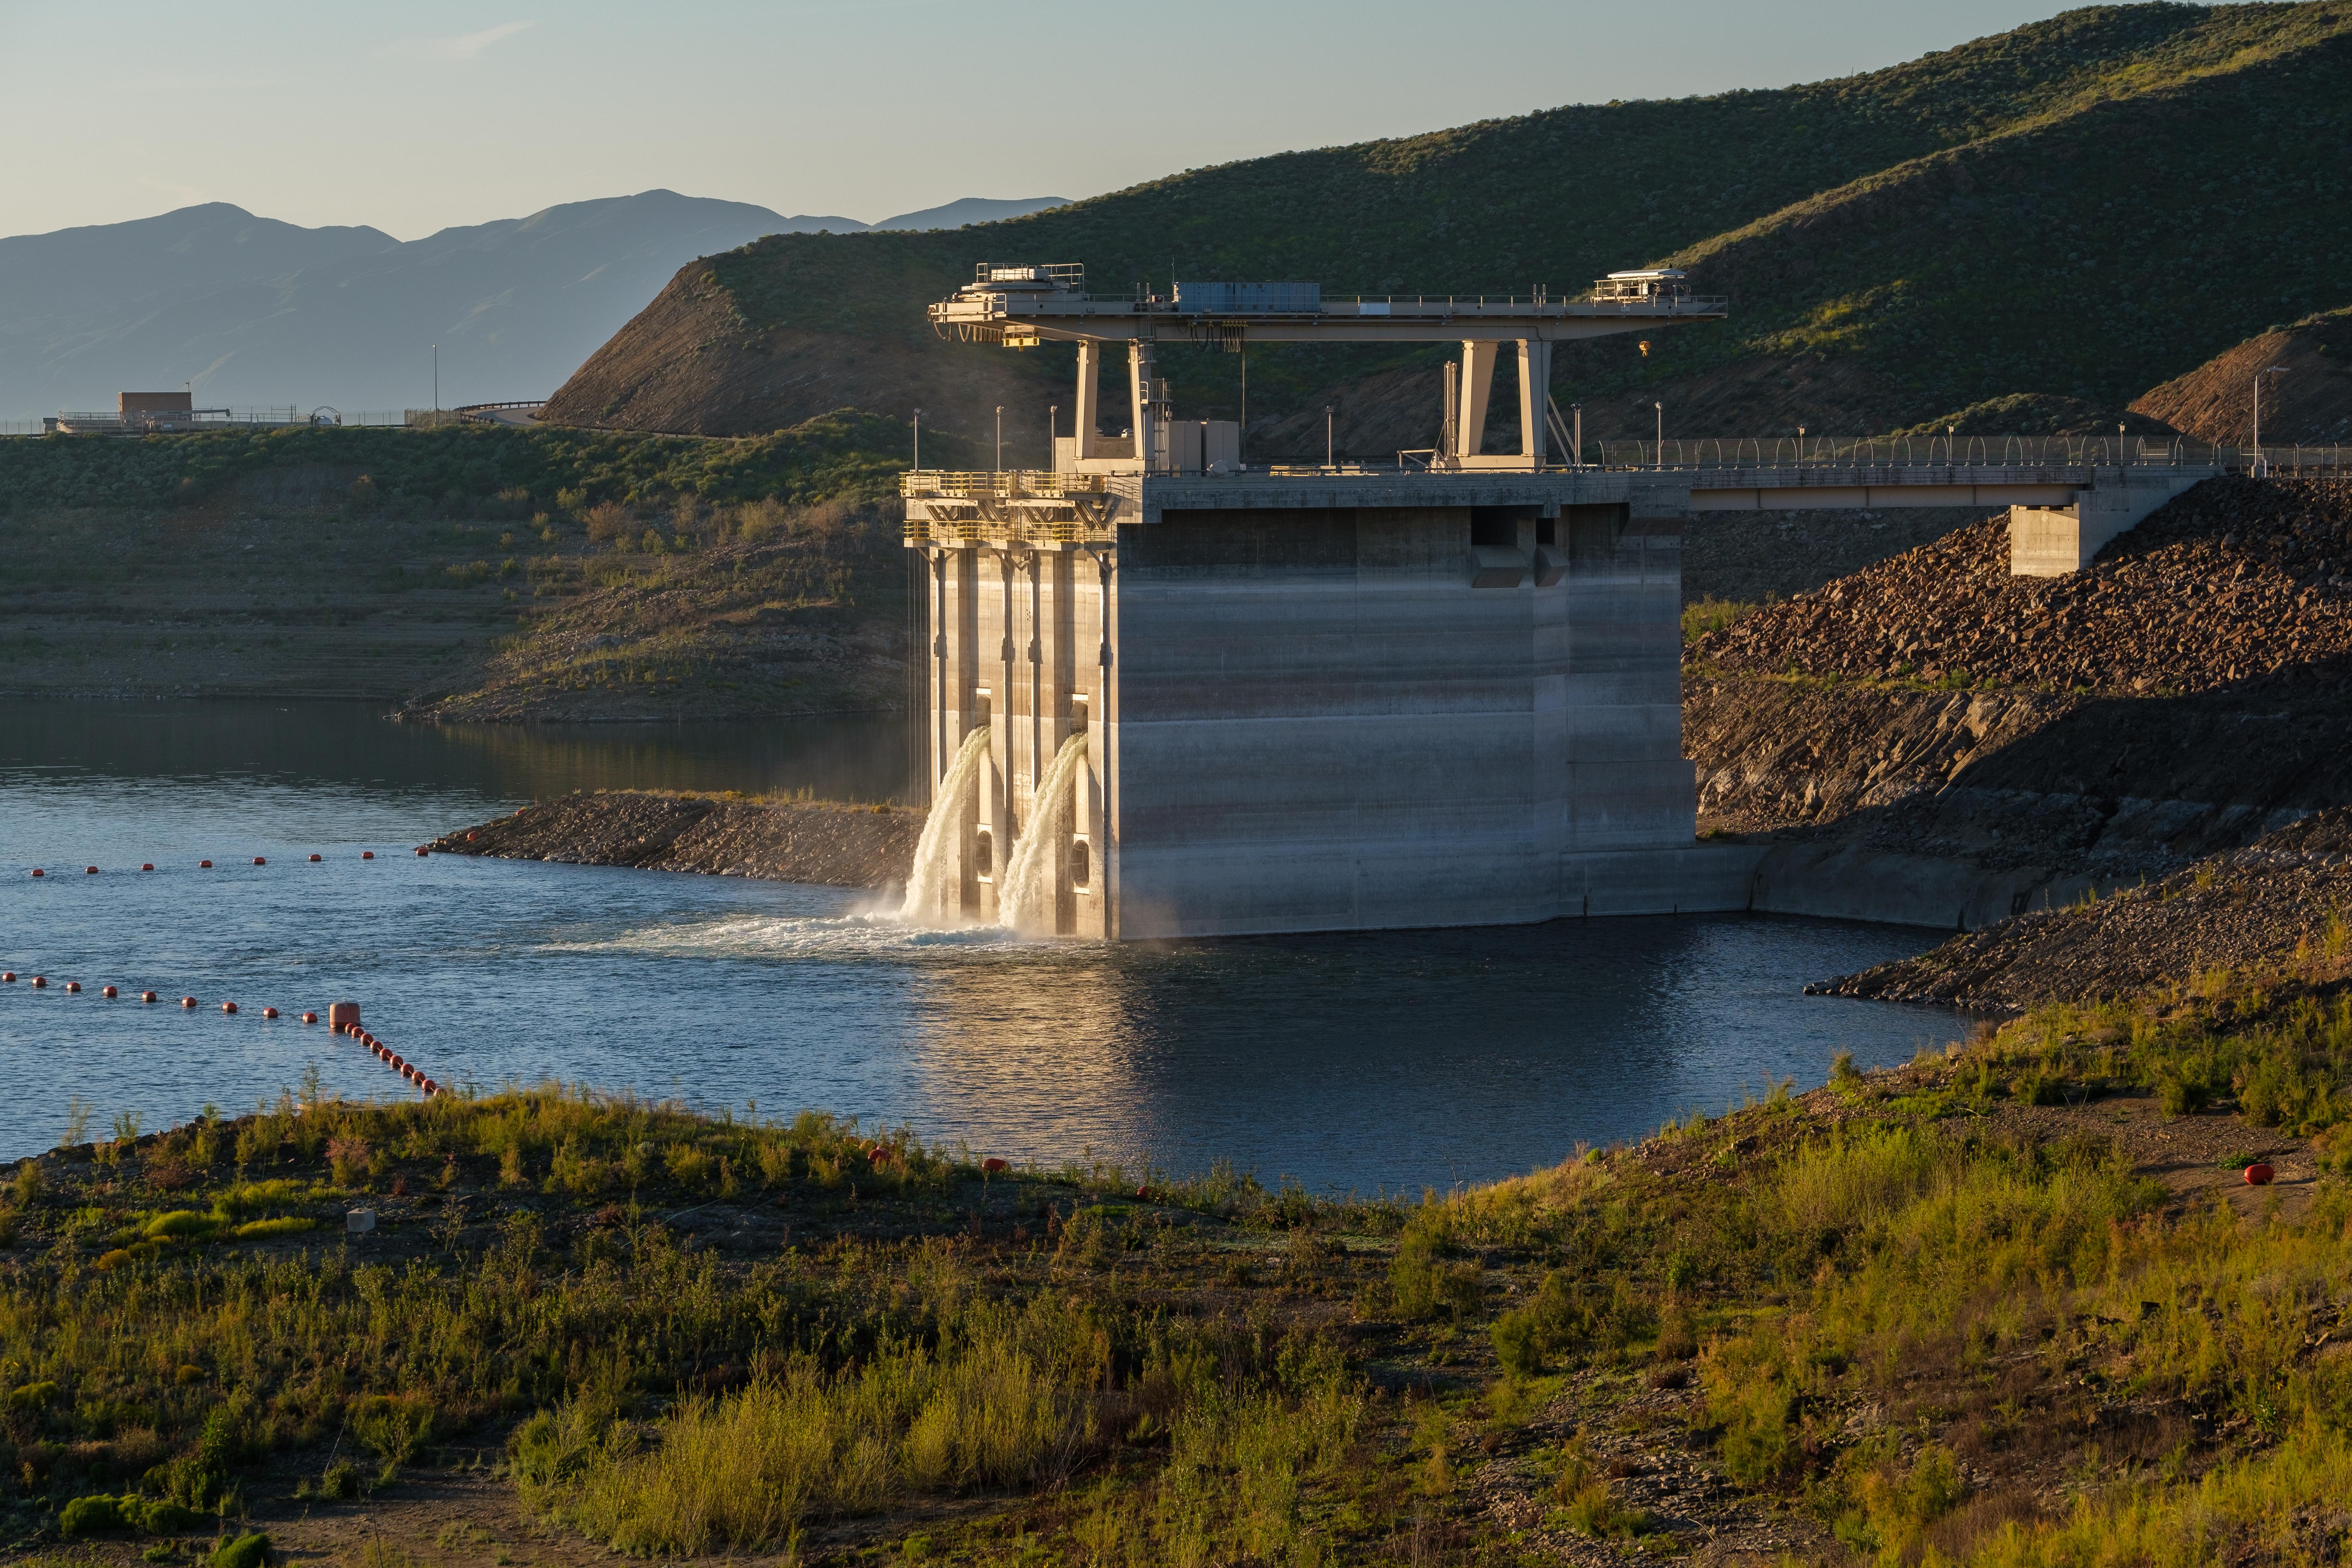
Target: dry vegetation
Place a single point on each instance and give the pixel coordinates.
(2011, 1306)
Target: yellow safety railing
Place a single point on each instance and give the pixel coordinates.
(1004, 484)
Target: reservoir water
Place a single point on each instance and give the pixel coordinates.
(1348, 1062)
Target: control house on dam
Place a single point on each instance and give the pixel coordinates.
(1170, 695)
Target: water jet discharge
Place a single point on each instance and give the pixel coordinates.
(1219, 698)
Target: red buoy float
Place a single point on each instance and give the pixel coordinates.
(187, 1000)
(396, 1063)
(7, 977)
(228, 1007)
(309, 1017)
(992, 1165)
(367, 853)
(344, 1013)
(269, 1012)
(38, 872)
(73, 986)
(429, 1087)
(147, 997)
(110, 991)
(90, 870)
(204, 865)
(39, 980)
(148, 866)
(259, 861)
(316, 858)
(421, 853)
(2260, 1174)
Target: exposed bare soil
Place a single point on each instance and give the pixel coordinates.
(2310, 405)
(793, 841)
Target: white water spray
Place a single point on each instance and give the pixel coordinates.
(928, 885)
(1026, 895)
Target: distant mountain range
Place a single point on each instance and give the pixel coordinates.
(249, 310)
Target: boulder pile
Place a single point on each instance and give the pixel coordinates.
(2234, 581)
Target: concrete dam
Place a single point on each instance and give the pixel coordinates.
(1170, 695)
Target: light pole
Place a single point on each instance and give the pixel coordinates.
(1328, 461)
(1800, 446)
(2260, 468)
(436, 384)
(1577, 409)
(1661, 409)
(919, 440)
(1052, 433)
(1000, 438)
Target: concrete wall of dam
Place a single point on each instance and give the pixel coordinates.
(1378, 717)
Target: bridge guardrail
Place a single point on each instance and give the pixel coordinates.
(1953, 451)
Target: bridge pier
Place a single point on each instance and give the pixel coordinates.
(2054, 541)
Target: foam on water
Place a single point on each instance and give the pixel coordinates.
(787, 938)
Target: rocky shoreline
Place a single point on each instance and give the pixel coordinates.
(2279, 906)
(820, 842)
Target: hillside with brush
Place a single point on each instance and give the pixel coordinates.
(1886, 240)
(472, 571)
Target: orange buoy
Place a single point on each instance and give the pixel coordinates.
(38, 981)
(228, 1007)
(367, 853)
(73, 986)
(7, 977)
(148, 866)
(147, 997)
(429, 1087)
(259, 861)
(38, 872)
(90, 870)
(187, 1000)
(316, 858)
(110, 991)
(2259, 1174)
(309, 1017)
(269, 1012)
(421, 853)
(992, 1165)
(396, 1063)
(204, 865)
(342, 1013)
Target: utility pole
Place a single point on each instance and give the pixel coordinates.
(1661, 409)
(1327, 460)
(1000, 438)
(2259, 469)
(1053, 435)
(436, 384)
(919, 440)
(1577, 409)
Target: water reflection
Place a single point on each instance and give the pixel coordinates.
(1389, 1060)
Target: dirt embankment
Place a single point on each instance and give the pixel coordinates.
(694, 363)
(2281, 901)
(799, 841)
(2309, 405)
(2236, 580)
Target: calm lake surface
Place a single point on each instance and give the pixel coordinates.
(1362, 1062)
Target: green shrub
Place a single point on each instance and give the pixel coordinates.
(90, 1516)
(1516, 1344)
(244, 1551)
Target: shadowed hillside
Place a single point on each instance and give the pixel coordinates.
(1887, 240)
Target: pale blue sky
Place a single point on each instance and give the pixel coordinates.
(422, 114)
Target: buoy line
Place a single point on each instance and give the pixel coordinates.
(42, 871)
(343, 1016)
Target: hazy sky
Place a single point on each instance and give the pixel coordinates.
(417, 115)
